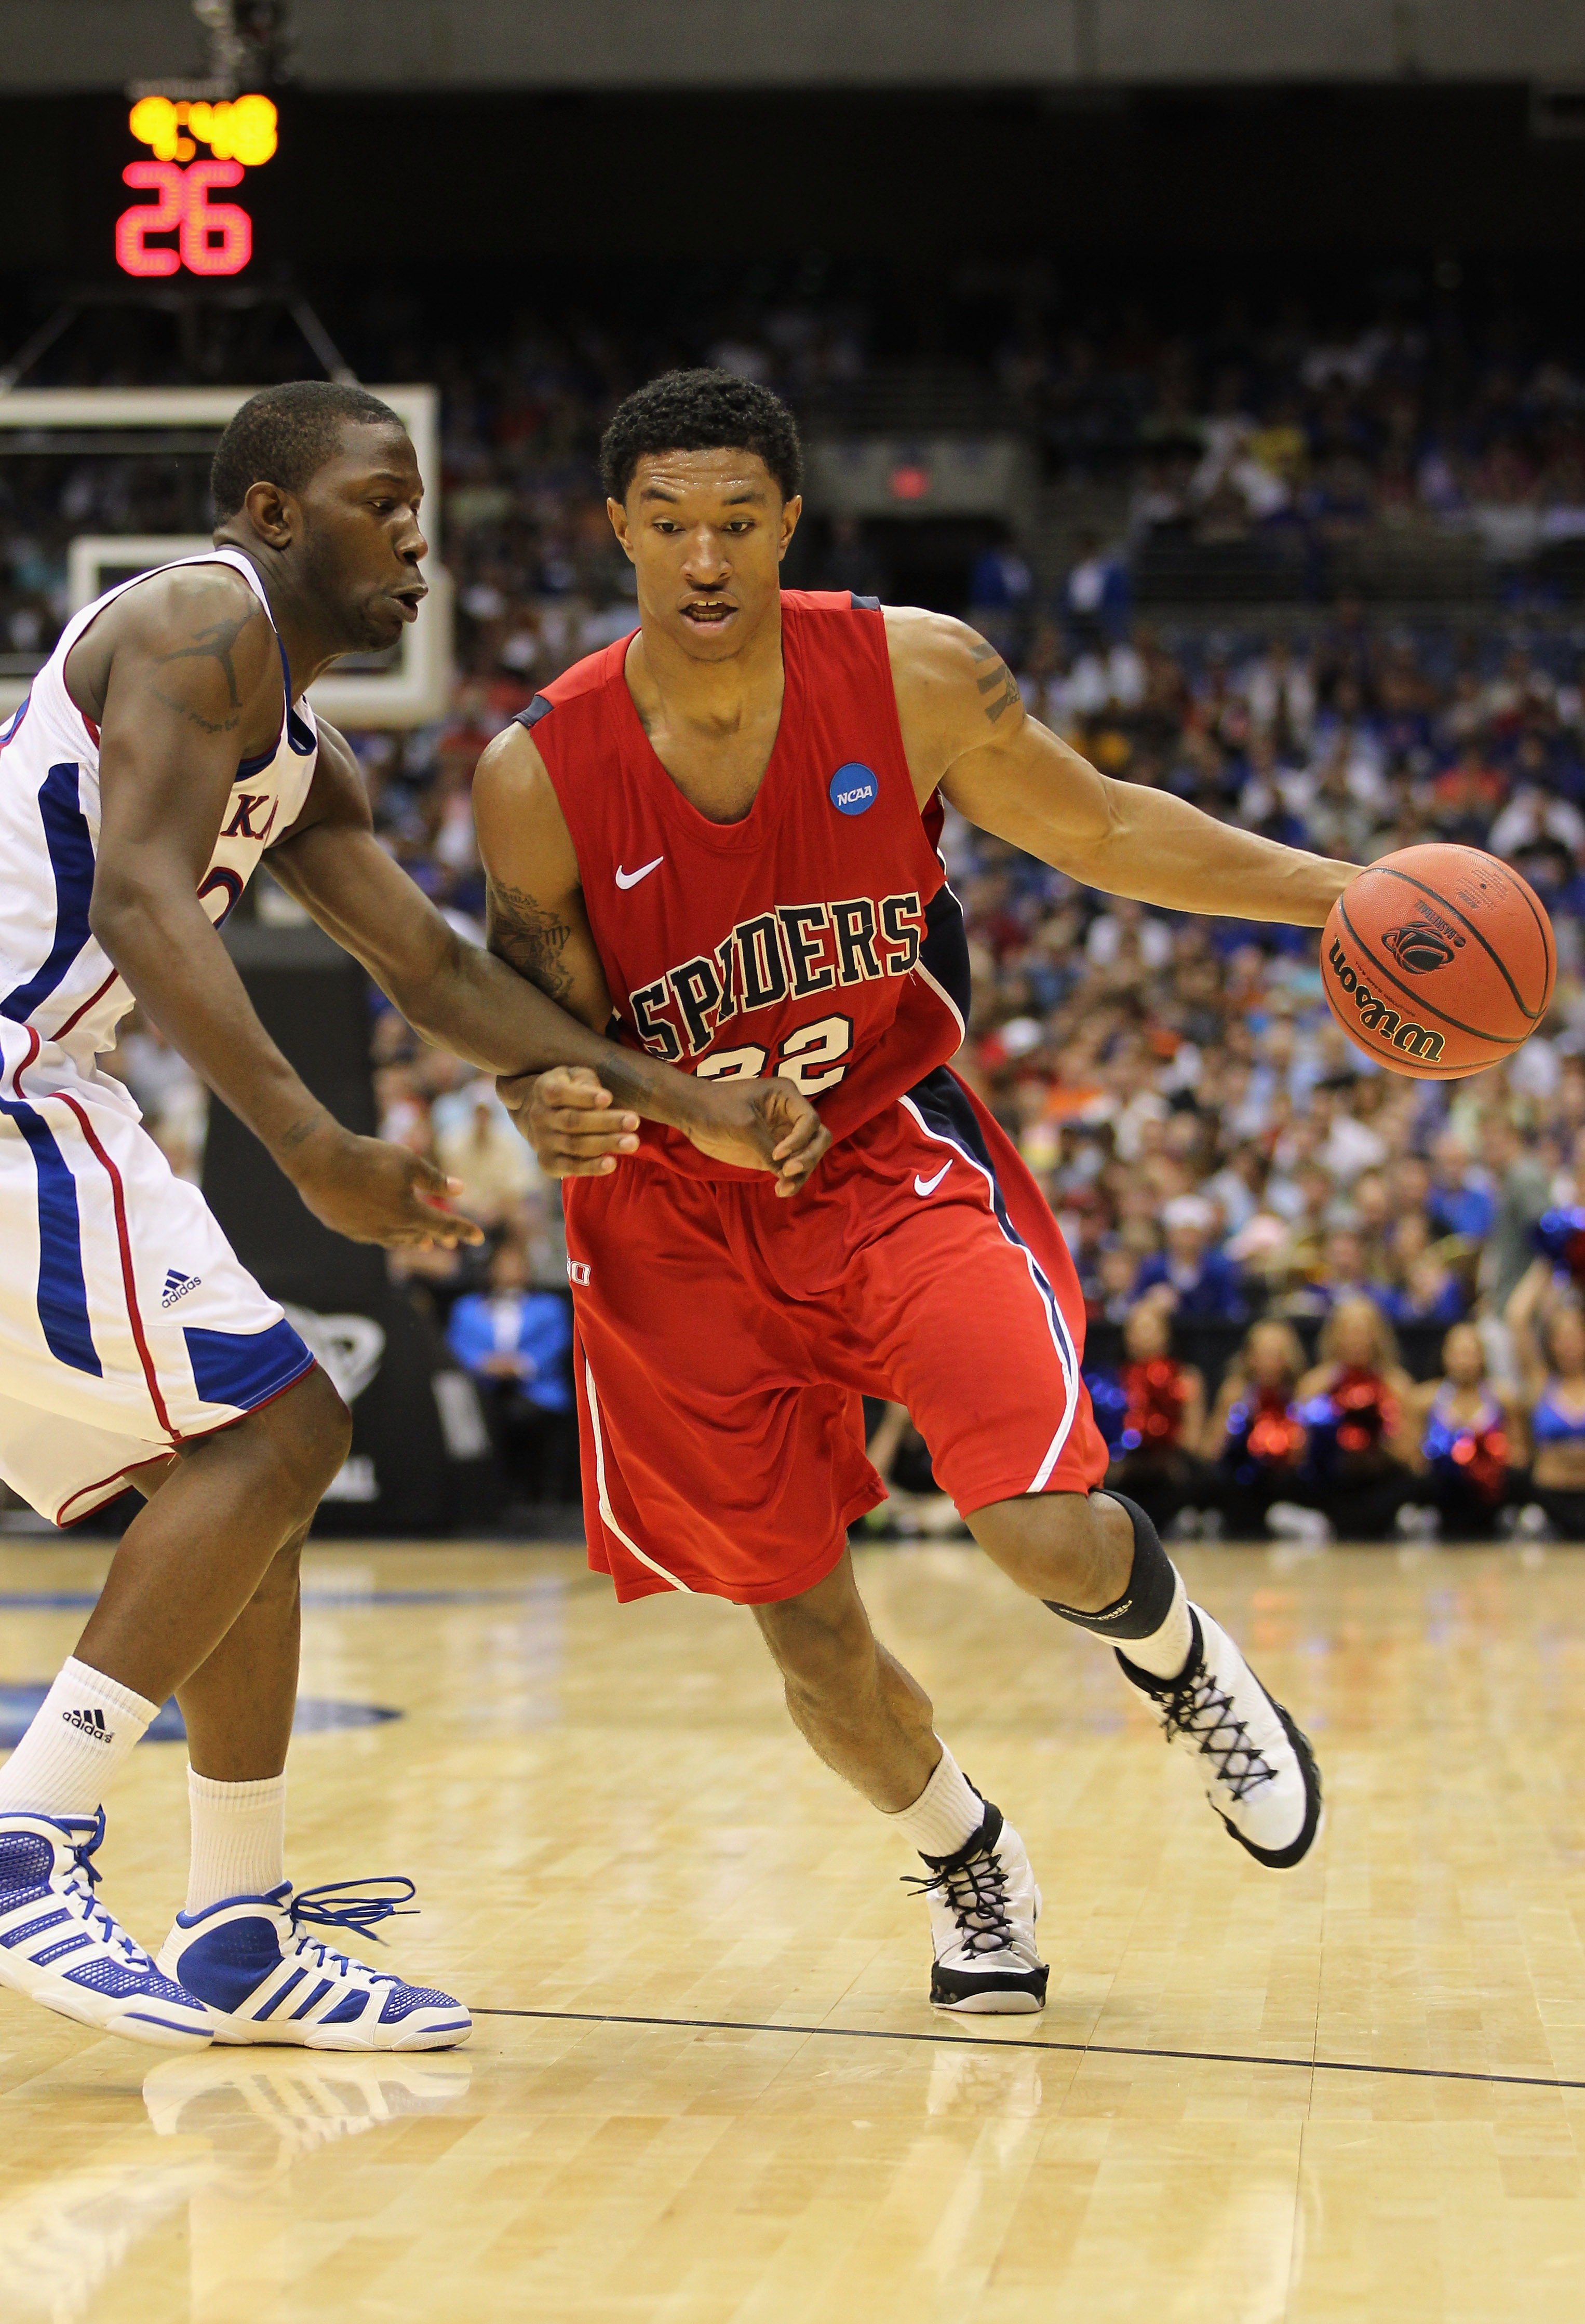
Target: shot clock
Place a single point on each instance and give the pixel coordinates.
(181, 227)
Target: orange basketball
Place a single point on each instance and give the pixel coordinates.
(1438, 961)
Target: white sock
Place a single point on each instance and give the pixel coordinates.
(81, 1733)
(946, 1814)
(1165, 1653)
(239, 1838)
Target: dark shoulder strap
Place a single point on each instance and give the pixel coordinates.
(540, 707)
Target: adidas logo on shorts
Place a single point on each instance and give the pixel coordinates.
(90, 1723)
(178, 1285)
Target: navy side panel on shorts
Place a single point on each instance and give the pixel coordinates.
(62, 1295)
(245, 1368)
(942, 1105)
(944, 953)
(72, 864)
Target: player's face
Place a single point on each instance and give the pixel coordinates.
(706, 532)
(362, 541)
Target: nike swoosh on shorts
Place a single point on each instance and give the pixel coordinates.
(929, 1186)
(632, 879)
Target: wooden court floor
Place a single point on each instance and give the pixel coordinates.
(704, 2088)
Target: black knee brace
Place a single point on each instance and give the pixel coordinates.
(1147, 1601)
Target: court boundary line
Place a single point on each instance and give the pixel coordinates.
(1021, 2041)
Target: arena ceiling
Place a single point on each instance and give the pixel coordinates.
(64, 45)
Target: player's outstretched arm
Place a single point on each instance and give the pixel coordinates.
(183, 679)
(537, 997)
(965, 728)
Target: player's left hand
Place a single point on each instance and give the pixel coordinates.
(765, 1125)
(568, 1117)
(371, 1189)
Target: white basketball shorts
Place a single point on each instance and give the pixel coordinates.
(127, 1324)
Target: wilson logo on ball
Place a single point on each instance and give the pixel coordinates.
(1418, 948)
(1375, 1016)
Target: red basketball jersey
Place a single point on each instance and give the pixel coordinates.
(781, 944)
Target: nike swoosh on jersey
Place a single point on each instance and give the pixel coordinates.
(929, 1186)
(632, 879)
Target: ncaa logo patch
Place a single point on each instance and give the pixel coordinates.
(855, 789)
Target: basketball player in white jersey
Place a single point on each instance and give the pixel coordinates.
(164, 747)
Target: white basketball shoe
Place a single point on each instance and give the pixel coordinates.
(267, 1978)
(983, 1908)
(1258, 1770)
(63, 1949)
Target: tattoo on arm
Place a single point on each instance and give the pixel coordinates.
(304, 1129)
(530, 938)
(998, 682)
(216, 644)
(185, 710)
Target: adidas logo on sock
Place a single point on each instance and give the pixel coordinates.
(90, 1723)
(178, 1285)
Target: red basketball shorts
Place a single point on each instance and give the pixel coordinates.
(725, 1340)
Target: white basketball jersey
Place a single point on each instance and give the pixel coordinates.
(55, 979)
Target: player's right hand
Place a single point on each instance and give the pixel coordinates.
(568, 1117)
(371, 1190)
(765, 1125)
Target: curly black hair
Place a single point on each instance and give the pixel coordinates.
(701, 411)
(284, 435)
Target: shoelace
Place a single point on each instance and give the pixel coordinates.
(361, 1911)
(1202, 1711)
(977, 1895)
(84, 1878)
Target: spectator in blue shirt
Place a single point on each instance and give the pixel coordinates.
(1205, 1284)
(1432, 1294)
(1000, 580)
(1096, 593)
(516, 1345)
(1461, 1200)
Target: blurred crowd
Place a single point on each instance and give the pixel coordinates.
(1283, 453)
(1306, 441)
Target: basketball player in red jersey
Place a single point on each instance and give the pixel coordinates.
(723, 828)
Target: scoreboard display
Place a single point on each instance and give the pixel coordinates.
(195, 151)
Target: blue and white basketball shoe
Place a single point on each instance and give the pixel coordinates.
(63, 1949)
(267, 1978)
